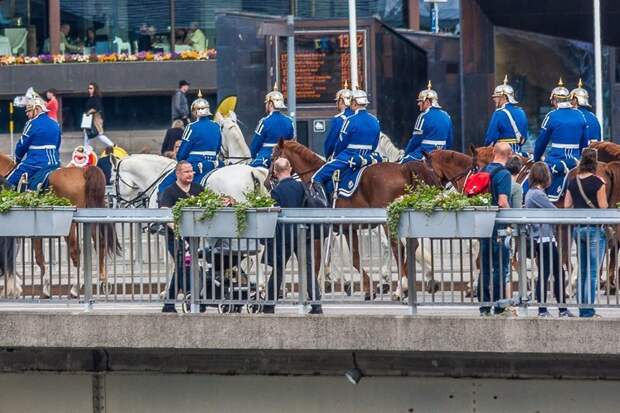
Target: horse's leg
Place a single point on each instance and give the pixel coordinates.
(99, 240)
(357, 263)
(40, 260)
(74, 254)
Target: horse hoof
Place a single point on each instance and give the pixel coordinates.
(348, 289)
(383, 288)
(105, 288)
(74, 293)
(432, 286)
(369, 297)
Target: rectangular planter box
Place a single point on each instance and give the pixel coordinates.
(36, 222)
(261, 223)
(468, 223)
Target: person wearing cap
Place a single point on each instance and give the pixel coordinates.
(38, 148)
(509, 122)
(566, 129)
(180, 105)
(270, 130)
(201, 142)
(580, 100)
(433, 127)
(357, 144)
(343, 103)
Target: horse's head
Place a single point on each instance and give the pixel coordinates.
(450, 166)
(233, 142)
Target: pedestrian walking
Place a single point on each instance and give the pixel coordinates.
(94, 108)
(180, 104)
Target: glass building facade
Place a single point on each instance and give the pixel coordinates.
(106, 26)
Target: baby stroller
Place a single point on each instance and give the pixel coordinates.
(223, 279)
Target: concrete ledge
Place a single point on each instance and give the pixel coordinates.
(253, 344)
(348, 333)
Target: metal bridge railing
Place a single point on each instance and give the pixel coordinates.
(238, 274)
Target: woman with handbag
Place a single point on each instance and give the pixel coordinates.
(587, 190)
(544, 246)
(92, 120)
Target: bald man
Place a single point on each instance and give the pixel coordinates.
(494, 255)
(289, 193)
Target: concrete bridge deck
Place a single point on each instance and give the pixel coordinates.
(452, 343)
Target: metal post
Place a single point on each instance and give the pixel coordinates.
(290, 43)
(598, 61)
(194, 275)
(302, 259)
(353, 43)
(413, 296)
(88, 267)
(522, 271)
(11, 129)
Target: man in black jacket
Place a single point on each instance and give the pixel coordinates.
(289, 193)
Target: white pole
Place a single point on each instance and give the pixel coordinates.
(353, 43)
(598, 61)
(290, 50)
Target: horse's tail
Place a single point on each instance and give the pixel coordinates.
(95, 198)
(418, 171)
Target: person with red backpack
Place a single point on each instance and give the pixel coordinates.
(494, 255)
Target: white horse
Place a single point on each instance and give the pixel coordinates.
(238, 178)
(136, 178)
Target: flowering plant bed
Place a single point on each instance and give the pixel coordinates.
(212, 215)
(8, 60)
(431, 212)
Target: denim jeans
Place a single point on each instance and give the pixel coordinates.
(548, 262)
(591, 241)
(494, 265)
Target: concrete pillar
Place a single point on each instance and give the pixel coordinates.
(54, 26)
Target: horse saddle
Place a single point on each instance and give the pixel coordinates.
(39, 181)
(349, 181)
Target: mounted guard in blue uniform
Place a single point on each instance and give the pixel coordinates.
(433, 128)
(201, 142)
(343, 103)
(580, 100)
(509, 122)
(566, 128)
(270, 130)
(37, 153)
(355, 148)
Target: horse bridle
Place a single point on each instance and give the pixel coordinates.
(143, 196)
(455, 179)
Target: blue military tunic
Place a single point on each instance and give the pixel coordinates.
(567, 130)
(38, 148)
(355, 147)
(334, 131)
(200, 146)
(433, 130)
(508, 124)
(269, 131)
(594, 128)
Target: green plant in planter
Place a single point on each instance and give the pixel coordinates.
(11, 199)
(427, 199)
(211, 202)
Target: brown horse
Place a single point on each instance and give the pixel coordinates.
(454, 167)
(380, 184)
(607, 151)
(85, 188)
